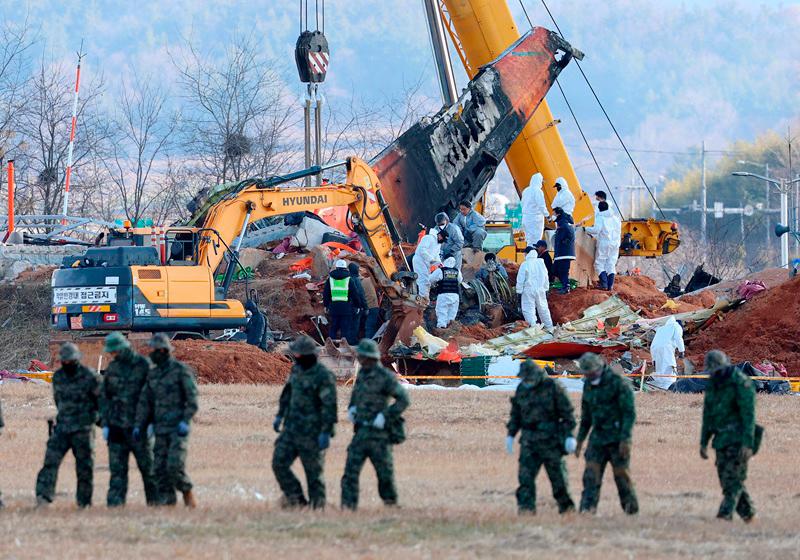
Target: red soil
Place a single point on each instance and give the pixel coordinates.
(765, 328)
(232, 362)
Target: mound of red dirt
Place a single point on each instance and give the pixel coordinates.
(232, 362)
(765, 328)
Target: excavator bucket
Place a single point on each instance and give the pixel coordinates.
(452, 156)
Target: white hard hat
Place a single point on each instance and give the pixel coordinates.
(340, 263)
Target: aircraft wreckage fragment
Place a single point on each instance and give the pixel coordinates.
(452, 156)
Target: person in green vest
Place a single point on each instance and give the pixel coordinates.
(341, 298)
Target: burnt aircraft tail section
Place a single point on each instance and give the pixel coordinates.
(452, 156)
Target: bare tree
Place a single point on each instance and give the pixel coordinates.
(364, 128)
(44, 123)
(237, 111)
(143, 130)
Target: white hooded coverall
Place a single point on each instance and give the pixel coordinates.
(564, 198)
(668, 338)
(446, 304)
(534, 210)
(532, 284)
(427, 252)
(607, 230)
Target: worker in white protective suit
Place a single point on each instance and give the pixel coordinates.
(448, 284)
(534, 210)
(668, 339)
(426, 254)
(607, 231)
(564, 198)
(532, 286)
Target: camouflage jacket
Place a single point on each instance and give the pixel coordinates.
(168, 397)
(122, 386)
(76, 398)
(729, 409)
(308, 401)
(371, 394)
(607, 409)
(542, 410)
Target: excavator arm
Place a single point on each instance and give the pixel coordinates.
(227, 221)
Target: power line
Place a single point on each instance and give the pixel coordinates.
(666, 152)
(602, 108)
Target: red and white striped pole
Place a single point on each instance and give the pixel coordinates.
(72, 135)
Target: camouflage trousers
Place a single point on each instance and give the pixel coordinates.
(532, 456)
(596, 458)
(169, 467)
(289, 447)
(379, 451)
(120, 447)
(82, 445)
(732, 471)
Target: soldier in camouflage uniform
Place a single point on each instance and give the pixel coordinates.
(168, 402)
(369, 413)
(729, 418)
(76, 389)
(119, 397)
(607, 409)
(308, 412)
(542, 410)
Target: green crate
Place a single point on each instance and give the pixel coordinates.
(477, 367)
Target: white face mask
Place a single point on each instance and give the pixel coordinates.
(595, 381)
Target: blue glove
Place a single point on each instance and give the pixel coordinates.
(324, 441)
(105, 433)
(276, 424)
(137, 434)
(570, 445)
(351, 414)
(379, 422)
(510, 445)
(183, 429)
(150, 431)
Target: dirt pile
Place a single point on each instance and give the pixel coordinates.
(286, 301)
(639, 292)
(232, 362)
(565, 308)
(765, 328)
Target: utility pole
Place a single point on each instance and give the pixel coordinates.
(785, 187)
(703, 202)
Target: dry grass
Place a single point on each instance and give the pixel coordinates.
(456, 488)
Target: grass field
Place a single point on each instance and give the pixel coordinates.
(455, 481)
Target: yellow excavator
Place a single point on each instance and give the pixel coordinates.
(131, 285)
(479, 31)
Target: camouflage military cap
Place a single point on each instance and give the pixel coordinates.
(115, 342)
(303, 345)
(716, 359)
(69, 352)
(368, 348)
(529, 368)
(160, 341)
(590, 362)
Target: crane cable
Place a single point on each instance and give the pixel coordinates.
(602, 108)
(319, 15)
(580, 129)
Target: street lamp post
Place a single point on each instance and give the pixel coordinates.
(766, 195)
(784, 188)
